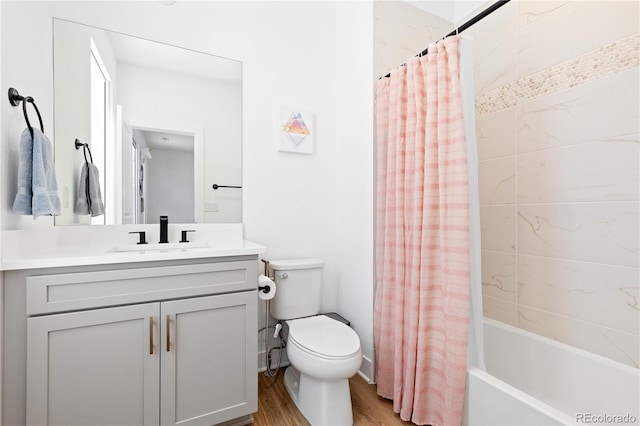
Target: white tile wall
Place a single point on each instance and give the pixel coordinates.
(494, 58)
(498, 25)
(499, 275)
(530, 11)
(602, 108)
(500, 310)
(603, 294)
(593, 232)
(401, 31)
(614, 57)
(558, 131)
(604, 341)
(496, 134)
(498, 228)
(497, 180)
(571, 30)
(605, 170)
(496, 66)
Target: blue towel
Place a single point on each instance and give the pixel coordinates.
(89, 196)
(37, 186)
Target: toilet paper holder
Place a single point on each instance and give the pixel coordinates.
(266, 288)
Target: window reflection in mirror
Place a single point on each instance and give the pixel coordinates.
(101, 118)
(163, 124)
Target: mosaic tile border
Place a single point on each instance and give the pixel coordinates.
(612, 58)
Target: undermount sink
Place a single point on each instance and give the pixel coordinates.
(158, 247)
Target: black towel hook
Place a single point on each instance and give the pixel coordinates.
(15, 98)
(85, 148)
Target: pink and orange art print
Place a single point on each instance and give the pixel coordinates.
(295, 134)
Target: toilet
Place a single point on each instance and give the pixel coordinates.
(324, 353)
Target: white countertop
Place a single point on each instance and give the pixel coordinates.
(95, 254)
(62, 246)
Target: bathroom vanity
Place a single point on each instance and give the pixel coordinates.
(149, 342)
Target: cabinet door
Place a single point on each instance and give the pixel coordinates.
(209, 359)
(97, 367)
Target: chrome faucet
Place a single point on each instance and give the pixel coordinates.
(164, 223)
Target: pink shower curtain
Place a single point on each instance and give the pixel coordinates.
(422, 239)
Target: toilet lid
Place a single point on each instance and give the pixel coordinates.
(324, 336)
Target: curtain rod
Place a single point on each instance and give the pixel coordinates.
(480, 16)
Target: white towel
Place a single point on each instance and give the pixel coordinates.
(89, 196)
(37, 186)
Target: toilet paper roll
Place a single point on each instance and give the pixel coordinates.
(265, 282)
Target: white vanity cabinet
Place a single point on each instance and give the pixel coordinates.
(153, 345)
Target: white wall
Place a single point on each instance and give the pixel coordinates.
(355, 172)
(23, 69)
(316, 205)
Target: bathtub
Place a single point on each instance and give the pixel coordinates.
(532, 380)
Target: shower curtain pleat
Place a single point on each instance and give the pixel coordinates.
(422, 239)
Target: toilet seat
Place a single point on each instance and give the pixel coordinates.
(323, 337)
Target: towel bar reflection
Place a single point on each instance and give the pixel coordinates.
(15, 98)
(216, 186)
(85, 148)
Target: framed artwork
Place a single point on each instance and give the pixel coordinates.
(296, 131)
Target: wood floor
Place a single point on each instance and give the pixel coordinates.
(275, 407)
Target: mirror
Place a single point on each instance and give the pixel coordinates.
(162, 125)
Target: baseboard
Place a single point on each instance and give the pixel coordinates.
(366, 370)
(240, 421)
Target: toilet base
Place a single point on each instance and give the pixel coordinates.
(322, 402)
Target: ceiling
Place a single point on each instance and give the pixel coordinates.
(163, 140)
(138, 51)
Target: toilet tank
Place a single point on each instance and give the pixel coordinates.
(298, 288)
